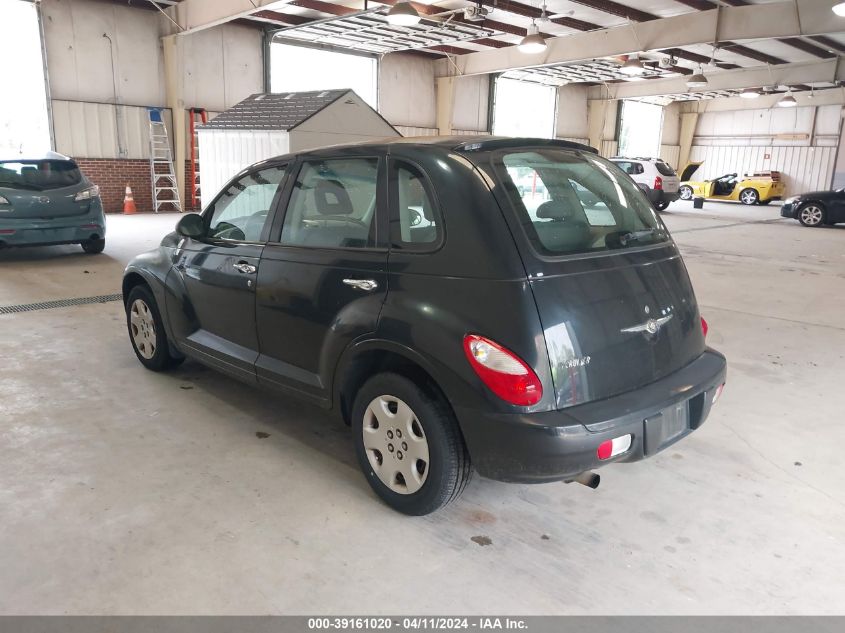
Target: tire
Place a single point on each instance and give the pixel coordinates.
(661, 206)
(93, 247)
(812, 214)
(763, 203)
(146, 331)
(425, 427)
(749, 196)
(685, 192)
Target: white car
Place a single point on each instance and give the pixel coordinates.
(656, 178)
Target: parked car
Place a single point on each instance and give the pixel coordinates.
(528, 344)
(654, 176)
(47, 200)
(755, 188)
(816, 208)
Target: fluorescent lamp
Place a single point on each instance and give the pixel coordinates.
(533, 42)
(403, 14)
(749, 93)
(633, 66)
(788, 101)
(839, 9)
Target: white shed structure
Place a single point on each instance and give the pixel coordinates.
(266, 125)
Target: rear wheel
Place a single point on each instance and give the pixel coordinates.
(661, 206)
(92, 247)
(146, 331)
(408, 445)
(686, 192)
(811, 214)
(749, 196)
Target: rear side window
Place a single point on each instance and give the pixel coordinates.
(580, 203)
(415, 223)
(333, 204)
(664, 169)
(39, 175)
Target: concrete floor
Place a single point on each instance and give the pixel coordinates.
(124, 491)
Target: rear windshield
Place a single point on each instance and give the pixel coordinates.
(664, 169)
(39, 175)
(576, 202)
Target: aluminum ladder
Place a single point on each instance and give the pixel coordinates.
(162, 176)
(195, 154)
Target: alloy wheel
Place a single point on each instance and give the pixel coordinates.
(395, 444)
(811, 215)
(143, 328)
(749, 196)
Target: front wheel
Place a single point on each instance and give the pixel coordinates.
(92, 247)
(408, 444)
(686, 192)
(146, 331)
(811, 214)
(749, 196)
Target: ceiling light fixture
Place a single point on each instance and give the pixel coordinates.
(839, 9)
(403, 14)
(533, 42)
(788, 101)
(633, 66)
(698, 80)
(749, 93)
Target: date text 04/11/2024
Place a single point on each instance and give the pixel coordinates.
(417, 623)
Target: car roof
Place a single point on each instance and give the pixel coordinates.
(34, 157)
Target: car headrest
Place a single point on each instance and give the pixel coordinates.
(332, 198)
(553, 210)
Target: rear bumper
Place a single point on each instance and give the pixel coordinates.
(62, 230)
(658, 195)
(557, 445)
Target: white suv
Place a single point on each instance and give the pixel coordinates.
(656, 178)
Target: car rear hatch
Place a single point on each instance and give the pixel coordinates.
(42, 189)
(670, 181)
(613, 294)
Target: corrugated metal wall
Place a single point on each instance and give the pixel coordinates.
(90, 130)
(803, 168)
(405, 130)
(671, 154)
(608, 148)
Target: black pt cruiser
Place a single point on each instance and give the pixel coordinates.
(510, 306)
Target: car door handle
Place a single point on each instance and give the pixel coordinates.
(362, 284)
(245, 268)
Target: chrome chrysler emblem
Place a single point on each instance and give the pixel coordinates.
(652, 326)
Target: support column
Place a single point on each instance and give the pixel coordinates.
(445, 104)
(689, 121)
(172, 46)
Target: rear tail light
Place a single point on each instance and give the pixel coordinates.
(658, 182)
(504, 373)
(614, 447)
(704, 327)
(86, 194)
(7, 231)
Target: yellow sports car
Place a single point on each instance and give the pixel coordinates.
(757, 188)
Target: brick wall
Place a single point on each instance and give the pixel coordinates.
(113, 174)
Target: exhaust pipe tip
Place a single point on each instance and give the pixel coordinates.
(587, 478)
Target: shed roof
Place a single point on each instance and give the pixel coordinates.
(283, 111)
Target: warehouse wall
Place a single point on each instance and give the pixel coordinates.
(799, 142)
(407, 96)
(571, 119)
(101, 87)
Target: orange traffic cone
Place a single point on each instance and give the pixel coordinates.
(129, 202)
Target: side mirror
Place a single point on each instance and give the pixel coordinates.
(191, 225)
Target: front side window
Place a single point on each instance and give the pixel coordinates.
(414, 219)
(39, 175)
(242, 210)
(333, 204)
(584, 204)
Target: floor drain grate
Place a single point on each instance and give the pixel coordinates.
(59, 303)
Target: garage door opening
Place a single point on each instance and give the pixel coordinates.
(524, 109)
(300, 68)
(24, 122)
(640, 129)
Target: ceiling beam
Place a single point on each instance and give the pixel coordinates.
(196, 15)
(784, 75)
(792, 18)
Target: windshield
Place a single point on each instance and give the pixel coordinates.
(39, 175)
(575, 202)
